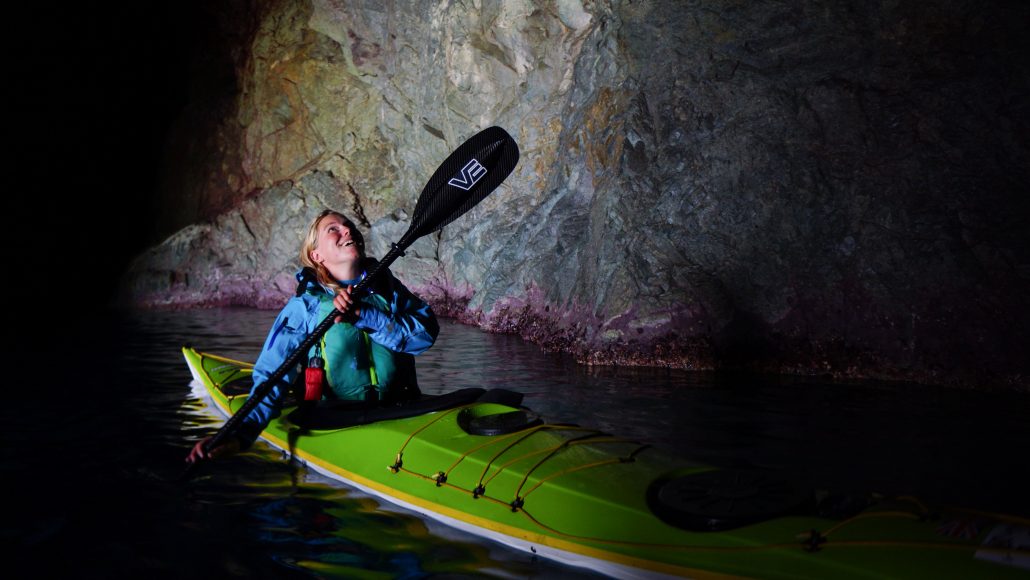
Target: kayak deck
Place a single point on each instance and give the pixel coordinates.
(591, 499)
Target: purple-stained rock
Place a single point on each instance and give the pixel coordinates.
(836, 189)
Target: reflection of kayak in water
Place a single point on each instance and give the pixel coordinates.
(478, 461)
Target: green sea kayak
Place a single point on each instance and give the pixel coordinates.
(479, 461)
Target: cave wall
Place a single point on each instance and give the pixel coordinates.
(834, 188)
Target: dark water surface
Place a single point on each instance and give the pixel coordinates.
(97, 425)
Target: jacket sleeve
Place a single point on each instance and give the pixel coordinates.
(410, 326)
(288, 331)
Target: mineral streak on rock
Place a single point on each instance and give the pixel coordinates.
(833, 188)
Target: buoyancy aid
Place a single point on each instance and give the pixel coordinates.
(356, 367)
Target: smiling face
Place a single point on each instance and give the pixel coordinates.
(333, 248)
(336, 242)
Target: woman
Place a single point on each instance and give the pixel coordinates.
(366, 355)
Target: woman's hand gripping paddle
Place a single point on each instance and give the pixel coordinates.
(468, 175)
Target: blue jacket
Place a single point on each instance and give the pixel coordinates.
(409, 327)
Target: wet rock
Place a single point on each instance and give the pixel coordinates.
(782, 187)
(240, 258)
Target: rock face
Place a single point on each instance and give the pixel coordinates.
(782, 187)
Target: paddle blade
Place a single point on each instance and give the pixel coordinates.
(474, 170)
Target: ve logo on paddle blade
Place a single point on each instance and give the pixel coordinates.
(469, 176)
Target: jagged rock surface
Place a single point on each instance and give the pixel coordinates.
(836, 189)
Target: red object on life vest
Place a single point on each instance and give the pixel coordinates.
(314, 378)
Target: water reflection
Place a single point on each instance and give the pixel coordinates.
(92, 455)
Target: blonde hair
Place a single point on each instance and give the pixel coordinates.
(311, 242)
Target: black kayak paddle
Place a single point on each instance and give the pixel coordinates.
(471, 173)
